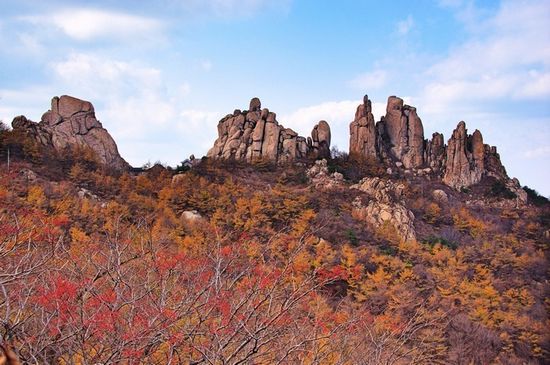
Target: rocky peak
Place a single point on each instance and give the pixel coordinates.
(398, 136)
(462, 169)
(362, 141)
(71, 122)
(404, 132)
(256, 134)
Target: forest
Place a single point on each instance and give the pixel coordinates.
(233, 263)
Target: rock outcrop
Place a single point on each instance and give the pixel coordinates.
(435, 153)
(404, 132)
(399, 135)
(320, 177)
(320, 140)
(468, 159)
(398, 140)
(464, 166)
(385, 206)
(256, 135)
(71, 122)
(362, 141)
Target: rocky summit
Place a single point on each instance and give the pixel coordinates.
(397, 140)
(71, 122)
(255, 134)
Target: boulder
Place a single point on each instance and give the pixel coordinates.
(320, 140)
(379, 213)
(191, 215)
(440, 196)
(380, 189)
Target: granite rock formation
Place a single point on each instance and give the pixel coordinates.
(398, 140)
(464, 165)
(257, 135)
(398, 136)
(404, 132)
(468, 159)
(385, 206)
(321, 178)
(71, 122)
(362, 141)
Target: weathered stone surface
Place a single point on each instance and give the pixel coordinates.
(464, 165)
(399, 135)
(255, 105)
(320, 177)
(379, 213)
(362, 141)
(71, 122)
(28, 175)
(320, 140)
(404, 132)
(191, 215)
(440, 196)
(385, 206)
(435, 152)
(257, 135)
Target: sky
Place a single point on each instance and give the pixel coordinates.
(161, 74)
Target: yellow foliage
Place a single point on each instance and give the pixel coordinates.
(36, 196)
(464, 221)
(432, 213)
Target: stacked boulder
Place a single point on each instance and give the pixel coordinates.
(71, 122)
(256, 135)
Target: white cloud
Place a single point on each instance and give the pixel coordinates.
(537, 87)
(29, 43)
(18, 102)
(370, 80)
(539, 152)
(506, 59)
(405, 26)
(233, 8)
(339, 114)
(97, 76)
(88, 24)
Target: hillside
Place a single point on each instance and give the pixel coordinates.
(271, 250)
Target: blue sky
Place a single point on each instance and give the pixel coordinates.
(162, 73)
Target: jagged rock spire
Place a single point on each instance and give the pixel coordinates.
(362, 130)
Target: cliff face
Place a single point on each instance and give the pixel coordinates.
(257, 135)
(72, 122)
